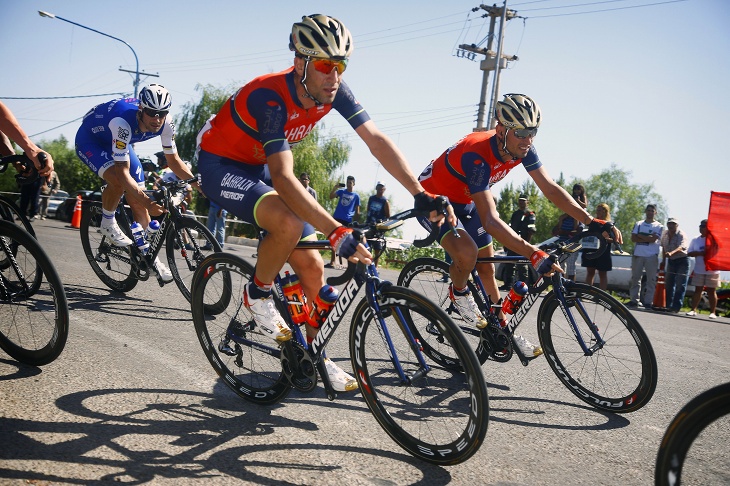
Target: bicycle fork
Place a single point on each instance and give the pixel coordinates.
(575, 302)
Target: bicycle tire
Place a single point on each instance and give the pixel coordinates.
(112, 264)
(9, 211)
(254, 373)
(441, 416)
(184, 261)
(34, 322)
(426, 276)
(619, 377)
(686, 426)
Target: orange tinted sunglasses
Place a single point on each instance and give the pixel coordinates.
(327, 65)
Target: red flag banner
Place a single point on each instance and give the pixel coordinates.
(717, 244)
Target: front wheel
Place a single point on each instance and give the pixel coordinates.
(619, 375)
(437, 413)
(246, 359)
(33, 309)
(692, 420)
(112, 264)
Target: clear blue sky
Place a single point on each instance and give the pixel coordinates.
(644, 88)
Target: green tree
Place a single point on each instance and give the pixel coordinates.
(193, 116)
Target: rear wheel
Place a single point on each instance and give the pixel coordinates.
(246, 359)
(437, 413)
(187, 245)
(112, 264)
(619, 375)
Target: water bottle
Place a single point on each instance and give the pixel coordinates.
(323, 303)
(512, 301)
(139, 239)
(295, 296)
(153, 228)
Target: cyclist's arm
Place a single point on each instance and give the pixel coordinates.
(560, 197)
(6, 146)
(394, 162)
(10, 127)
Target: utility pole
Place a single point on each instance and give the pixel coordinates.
(490, 61)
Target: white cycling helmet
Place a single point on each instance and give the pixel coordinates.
(155, 97)
(518, 111)
(321, 36)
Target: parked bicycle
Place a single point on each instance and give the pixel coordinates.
(436, 409)
(696, 416)
(591, 341)
(186, 241)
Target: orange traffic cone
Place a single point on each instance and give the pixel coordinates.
(76, 219)
(660, 294)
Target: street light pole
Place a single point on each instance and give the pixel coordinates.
(136, 72)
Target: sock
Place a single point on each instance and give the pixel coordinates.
(107, 218)
(463, 291)
(258, 290)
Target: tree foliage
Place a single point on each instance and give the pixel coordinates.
(614, 186)
(193, 116)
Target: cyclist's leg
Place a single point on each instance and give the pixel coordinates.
(309, 266)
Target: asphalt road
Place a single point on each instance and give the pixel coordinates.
(133, 400)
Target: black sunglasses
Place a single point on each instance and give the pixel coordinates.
(522, 133)
(155, 113)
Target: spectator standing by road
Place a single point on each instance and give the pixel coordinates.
(646, 236)
(568, 227)
(49, 187)
(523, 223)
(347, 209)
(603, 263)
(304, 179)
(378, 205)
(216, 224)
(674, 245)
(702, 279)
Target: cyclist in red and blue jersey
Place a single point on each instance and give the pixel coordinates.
(104, 142)
(465, 174)
(257, 126)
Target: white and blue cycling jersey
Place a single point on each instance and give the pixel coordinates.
(108, 131)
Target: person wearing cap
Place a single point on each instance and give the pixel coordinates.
(702, 279)
(523, 222)
(674, 245)
(378, 205)
(304, 179)
(645, 235)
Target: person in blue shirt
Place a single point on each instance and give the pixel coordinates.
(378, 205)
(348, 207)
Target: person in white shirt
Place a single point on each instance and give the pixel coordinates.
(645, 235)
(701, 277)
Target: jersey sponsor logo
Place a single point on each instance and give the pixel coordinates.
(237, 182)
(123, 133)
(294, 116)
(296, 134)
(97, 129)
(233, 196)
(120, 145)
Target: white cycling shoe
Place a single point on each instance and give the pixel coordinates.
(115, 235)
(527, 348)
(467, 308)
(266, 316)
(341, 381)
(162, 270)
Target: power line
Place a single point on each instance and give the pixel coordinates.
(602, 10)
(58, 97)
(51, 129)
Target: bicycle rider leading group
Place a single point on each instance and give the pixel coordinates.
(256, 127)
(104, 142)
(465, 174)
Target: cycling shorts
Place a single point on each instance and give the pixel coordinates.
(237, 187)
(468, 220)
(98, 157)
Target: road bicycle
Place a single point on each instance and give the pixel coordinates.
(696, 416)
(186, 240)
(9, 211)
(591, 341)
(437, 410)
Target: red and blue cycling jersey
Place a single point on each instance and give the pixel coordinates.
(264, 117)
(470, 166)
